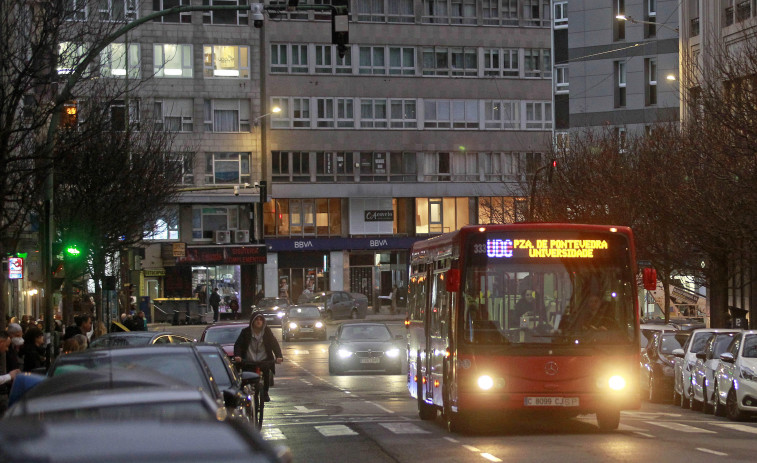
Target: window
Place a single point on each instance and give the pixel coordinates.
(463, 12)
(371, 60)
(402, 61)
(619, 25)
(435, 11)
(76, 10)
(373, 113)
(536, 12)
(441, 215)
(226, 61)
(500, 12)
(403, 167)
(174, 115)
(114, 61)
(620, 136)
(285, 217)
(183, 18)
(620, 88)
(496, 209)
(232, 17)
(327, 61)
(206, 220)
(561, 15)
(650, 13)
(166, 227)
(69, 55)
(300, 166)
(186, 164)
(501, 62)
(538, 115)
(693, 6)
(373, 167)
(538, 62)
(227, 168)
(118, 115)
(287, 58)
(172, 60)
(300, 112)
(227, 115)
(651, 90)
(456, 114)
(402, 114)
(324, 112)
(501, 114)
(561, 78)
(371, 10)
(437, 167)
(491, 166)
(400, 11)
(743, 10)
(115, 10)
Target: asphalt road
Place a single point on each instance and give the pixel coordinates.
(371, 418)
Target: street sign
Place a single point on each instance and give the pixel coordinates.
(179, 249)
(15, 268)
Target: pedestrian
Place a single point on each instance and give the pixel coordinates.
(5, 378)
(260, 295)
(70, 345)
(395, 294)
(140, 321)
(82, 325)
(13, 358)
(234, 306)
(33, 349)
(215, 301)
(99, 330)
(284, 289)
(256, 343)
(82, 341)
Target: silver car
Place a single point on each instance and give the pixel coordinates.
(735, 387)
(703, 373)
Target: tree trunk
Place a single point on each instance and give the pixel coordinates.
(718, 297)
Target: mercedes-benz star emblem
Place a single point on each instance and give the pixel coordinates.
(551, 368)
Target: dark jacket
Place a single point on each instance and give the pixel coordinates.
(72, 331)
(34, 356)
(215, 300)
(272, 348)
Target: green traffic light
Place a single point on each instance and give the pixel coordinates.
(73, 251)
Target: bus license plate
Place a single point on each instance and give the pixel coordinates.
(370, 360)
(551, 401)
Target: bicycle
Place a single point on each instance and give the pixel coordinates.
(257, 400)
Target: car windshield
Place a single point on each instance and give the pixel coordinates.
(187, 410)
(120, 341)
(177, 364)
(217, 368)
(671, 342)
(304, 312)
(750, 346)
(267, 303)
(365, 333)
(721, 344)
(699, 342)
(322, 298)
(224, 335)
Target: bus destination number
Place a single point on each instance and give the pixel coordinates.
(551, 402)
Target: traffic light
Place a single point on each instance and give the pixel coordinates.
(69, 118)
(552, 168)
(72, 250)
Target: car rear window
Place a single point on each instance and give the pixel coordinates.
(217, 368)
(224, 335)
(188, 410)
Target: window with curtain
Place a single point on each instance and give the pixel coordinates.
(227, 115)
(172, 60)
(227, 168)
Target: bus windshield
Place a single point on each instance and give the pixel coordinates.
(533, 291)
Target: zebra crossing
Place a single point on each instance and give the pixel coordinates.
(340, 430)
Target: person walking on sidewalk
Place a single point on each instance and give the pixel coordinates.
(215, 301)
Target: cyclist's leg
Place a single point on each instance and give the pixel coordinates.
(266, 384)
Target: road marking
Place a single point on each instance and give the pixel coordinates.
(379, 406)
(303, 409)
(273, 434)
(720, 454)
(643, 434)
(680, 427)
(490, 457)
(471, 448)
(403, 428)
(454, 441)
(332, 430)
(629, 428)
(648, 415)
(738, 427)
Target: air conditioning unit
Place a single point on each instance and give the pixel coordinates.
(223, 236)
(241, 236)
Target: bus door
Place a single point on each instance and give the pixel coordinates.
(436, 342)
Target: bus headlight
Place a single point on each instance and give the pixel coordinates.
(616, 383)
(292, 326)
(344, 353)
(485, 382)
(393, 353)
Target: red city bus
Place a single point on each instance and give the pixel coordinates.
(539, 318)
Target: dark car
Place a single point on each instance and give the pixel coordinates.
(224, 334)
(137, 338)
(143, 440)
(339, 304)
(232, 384)
(272, 308)
(303, 321)
(179, 361)
(362, 347)
(658, 362)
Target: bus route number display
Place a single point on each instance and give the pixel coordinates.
(544, 248)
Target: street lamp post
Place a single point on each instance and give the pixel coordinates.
(624, 17)
(532, 198)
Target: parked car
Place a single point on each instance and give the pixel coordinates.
(225, 334)
(657, 363)
(339, 304)
(180, 361)
(649, 329)
(735, 385)
(685, 360)
(703, 373)
(273, 309)
(138, 338)
(303, 322)
(361, 347)
(235, 387)
(25, 440)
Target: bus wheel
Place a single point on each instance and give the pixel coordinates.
(608, 419)
(425, 411)
(455, 421)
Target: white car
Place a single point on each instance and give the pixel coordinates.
(649, 329)
(685, 359)
(701, 394)
(736, 378)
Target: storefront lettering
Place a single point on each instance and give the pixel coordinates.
(379, 216)
(378, 243)
(303, 244)
(229, 255)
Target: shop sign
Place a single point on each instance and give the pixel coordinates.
(379, 216)
(179, 249)
(160, 272)
(225, 255)
(339, 244)
(15, 268)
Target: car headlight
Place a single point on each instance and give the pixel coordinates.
(292, 325)
(344, 353)
(393, 353)
(318, 325)
(616, 383)
(748, 374)
(280, 314)
(485, 382)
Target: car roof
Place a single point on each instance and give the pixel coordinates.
(658, 327)
(141, 334)
(715, 330)
(242, 323)
(23, 440)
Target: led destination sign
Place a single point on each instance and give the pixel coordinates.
(553, 248)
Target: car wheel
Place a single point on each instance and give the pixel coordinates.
(456, 421)
(705, 401)
(353, 314)
(732, 410)
(693, 403)
(676, 396)
(654, 395)
(425, 411)
(684, 403)
(717, 408)
(333, 369)
(608, 419)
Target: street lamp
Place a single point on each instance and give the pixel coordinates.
(623, 17)
(274, 110)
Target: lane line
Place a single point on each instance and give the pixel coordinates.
(403, 428)
(332, 430)
(273, 434)
(738, 427)
(643, 434)
(471, 448)
(380, 407)
(454, 441)
(713, 452)
(490, 457)
(680, 427)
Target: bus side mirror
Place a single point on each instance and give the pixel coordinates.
(650, 279)
(453, 280)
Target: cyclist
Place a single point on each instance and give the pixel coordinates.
(257, 346)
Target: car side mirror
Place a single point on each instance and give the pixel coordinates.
(702, 355)
(727, 357)
(249, 377)
(679, 353)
